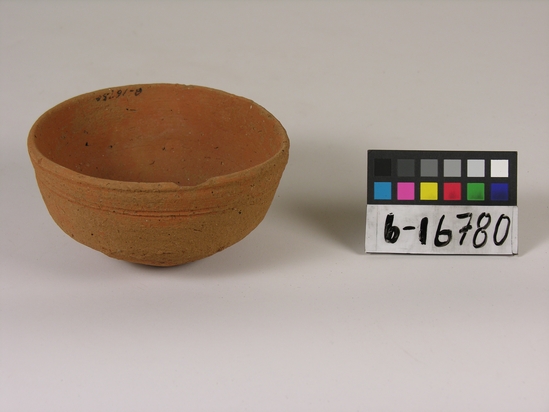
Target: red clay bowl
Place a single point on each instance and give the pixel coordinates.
(158, 174)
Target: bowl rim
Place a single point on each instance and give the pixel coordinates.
(39, 160)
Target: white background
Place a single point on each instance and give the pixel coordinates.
(295, 317)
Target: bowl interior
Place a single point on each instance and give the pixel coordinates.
(158, 133)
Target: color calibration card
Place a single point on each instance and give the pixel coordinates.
(442, 202)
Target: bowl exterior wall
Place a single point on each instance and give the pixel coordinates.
(162, 226)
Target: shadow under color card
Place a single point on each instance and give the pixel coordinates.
(431, 193)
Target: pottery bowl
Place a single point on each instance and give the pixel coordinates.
(158, 174)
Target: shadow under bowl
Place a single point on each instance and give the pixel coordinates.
(158, 174)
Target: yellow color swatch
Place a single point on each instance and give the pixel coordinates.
(428, 191)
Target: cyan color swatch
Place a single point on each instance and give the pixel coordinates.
(382, 190)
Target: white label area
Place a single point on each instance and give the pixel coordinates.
(433, 229)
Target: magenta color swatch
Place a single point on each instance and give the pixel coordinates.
(405, 191)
